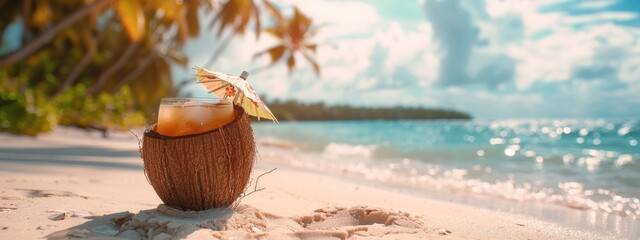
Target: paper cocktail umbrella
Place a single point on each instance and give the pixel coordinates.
(237, 88)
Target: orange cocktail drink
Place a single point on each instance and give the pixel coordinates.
(185, 116)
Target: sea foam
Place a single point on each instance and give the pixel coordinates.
(347, 150)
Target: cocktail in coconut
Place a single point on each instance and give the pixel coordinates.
(200, 153)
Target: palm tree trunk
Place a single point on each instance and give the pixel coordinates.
(106, 75)
(75, 73)
(136, 73)
(86, 59)
(48, 35)
(146, 62)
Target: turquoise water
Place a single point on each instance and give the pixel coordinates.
(588, 164)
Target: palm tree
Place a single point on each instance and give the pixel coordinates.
(295, 36)
(78, 51)
(134, 35)
(83, 52)
(236, 16)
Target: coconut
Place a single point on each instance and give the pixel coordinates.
(201, 171)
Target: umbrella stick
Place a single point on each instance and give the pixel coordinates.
(241, 99)
(235, 99)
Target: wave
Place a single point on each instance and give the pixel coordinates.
(346, 150)
(567, 194)
(276, 143)
(415, 174)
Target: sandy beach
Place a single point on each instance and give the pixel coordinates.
(75, 184)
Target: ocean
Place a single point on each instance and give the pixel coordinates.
(582, 171)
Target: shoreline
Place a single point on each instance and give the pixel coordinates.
(456, 190)
(86, 176)
(587, 220)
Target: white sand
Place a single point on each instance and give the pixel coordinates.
(71, 184)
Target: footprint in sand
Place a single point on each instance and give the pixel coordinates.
(360, 220)
(332, 217)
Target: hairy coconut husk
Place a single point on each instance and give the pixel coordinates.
(201, 171)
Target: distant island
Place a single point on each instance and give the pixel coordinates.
(292, 110)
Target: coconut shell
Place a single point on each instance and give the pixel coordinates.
(201, 171)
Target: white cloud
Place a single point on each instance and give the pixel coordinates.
(554, 43)
(598, 4)
(368, 59)
(350, 67)
(339, 18)
(604, 17)
(413, 50)
(528, 10)
(555, 57)
(549, 59)
(342, 61)
(566, 54)
(630, 70)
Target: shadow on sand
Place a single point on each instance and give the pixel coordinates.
(71, 156)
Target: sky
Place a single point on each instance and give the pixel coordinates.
(490, 58)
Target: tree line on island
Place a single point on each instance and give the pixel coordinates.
(291, 110)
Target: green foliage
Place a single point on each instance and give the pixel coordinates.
(22, 116)
(293, 110)
(84, 73)
(24, 111)
(104, 111)
(106, 63)
(27, 109)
